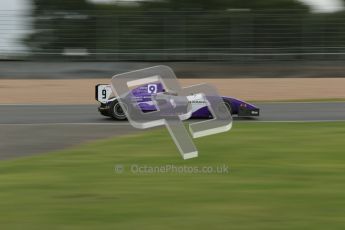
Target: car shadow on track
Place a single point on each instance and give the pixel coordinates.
(108, 119)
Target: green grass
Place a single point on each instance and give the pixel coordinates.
(283, 176)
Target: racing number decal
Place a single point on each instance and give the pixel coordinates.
(104, 94)
(152, 88)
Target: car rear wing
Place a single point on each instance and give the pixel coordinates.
(103, 92)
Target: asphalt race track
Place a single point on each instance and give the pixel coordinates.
(31, 129)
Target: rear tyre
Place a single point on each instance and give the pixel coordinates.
(116, 110)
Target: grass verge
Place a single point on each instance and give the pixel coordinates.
(283, 176)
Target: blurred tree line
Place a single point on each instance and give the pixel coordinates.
(181, 29)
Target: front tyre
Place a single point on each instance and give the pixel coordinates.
(228, 106)
(224, 105)
(116, 110)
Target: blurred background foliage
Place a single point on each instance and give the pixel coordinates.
(183, 30)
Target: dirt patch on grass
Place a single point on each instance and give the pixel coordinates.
(82, 91)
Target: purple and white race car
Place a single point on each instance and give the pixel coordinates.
(111, 107)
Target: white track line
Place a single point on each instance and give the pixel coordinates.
(300, 121)
(11, 104)
(38, 124)
(127, 124)
(258, 102)
(297, 102)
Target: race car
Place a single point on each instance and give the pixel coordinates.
(111, 107)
